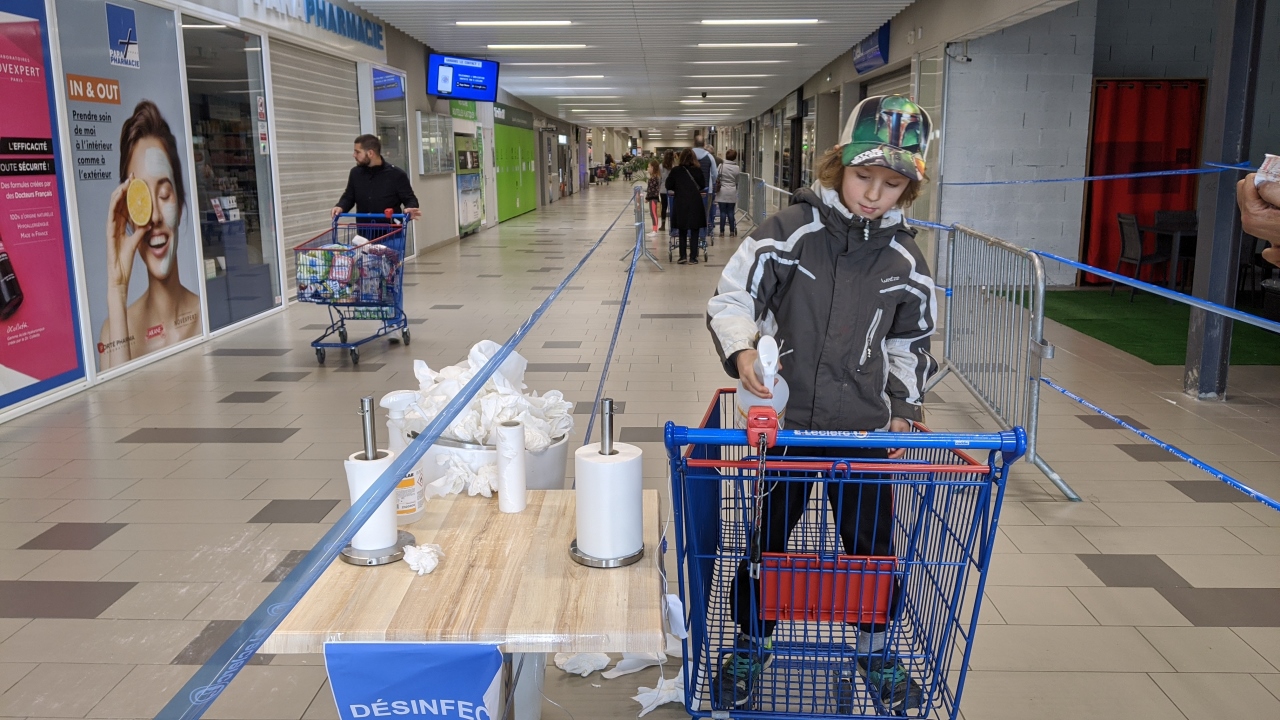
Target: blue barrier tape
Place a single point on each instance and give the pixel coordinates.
(1242, 167)
(1254, 494)
(912, 222)
(213, 677)
(613, 342)
(1213, 168)
(1191, 300)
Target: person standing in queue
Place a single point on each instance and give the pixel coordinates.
(689, 215)
(375, 185)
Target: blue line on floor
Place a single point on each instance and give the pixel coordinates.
(1173, 450)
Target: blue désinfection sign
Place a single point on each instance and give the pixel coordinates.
(436, 680)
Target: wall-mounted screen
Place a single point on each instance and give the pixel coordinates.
(387, 86)
(462, 78)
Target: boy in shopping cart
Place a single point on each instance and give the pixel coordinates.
(838, 279)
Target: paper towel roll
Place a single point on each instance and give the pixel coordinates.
(380, 530)
(610, 501)
(512, 497)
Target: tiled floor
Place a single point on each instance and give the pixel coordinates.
(140, 521)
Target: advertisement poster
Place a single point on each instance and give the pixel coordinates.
(39, 347)
(129, 143)
(470, 184)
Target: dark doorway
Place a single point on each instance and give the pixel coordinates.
(1139, 126)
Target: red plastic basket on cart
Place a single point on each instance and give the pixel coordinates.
(844, 589)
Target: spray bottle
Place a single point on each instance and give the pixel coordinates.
(411, 492)
(766, 368)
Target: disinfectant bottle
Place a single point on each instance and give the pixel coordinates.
(766, 368)
(411, 492)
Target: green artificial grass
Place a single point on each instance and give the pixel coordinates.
(1150, 327)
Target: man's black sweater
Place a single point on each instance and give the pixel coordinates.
(375, 188)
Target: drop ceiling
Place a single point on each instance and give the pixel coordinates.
(642, 58)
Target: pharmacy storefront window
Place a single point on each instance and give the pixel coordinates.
(391, 125)
(233, 171)
(391, 116)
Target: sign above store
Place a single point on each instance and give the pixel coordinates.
(463, 109)
(335, 23)
(872, 51)
(507, 115)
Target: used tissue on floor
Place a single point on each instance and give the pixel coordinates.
(461, 463)
(581, 663)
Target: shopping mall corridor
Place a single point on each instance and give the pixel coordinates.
(137, 529)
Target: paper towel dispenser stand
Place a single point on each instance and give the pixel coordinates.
(606, 448)
(383, 556)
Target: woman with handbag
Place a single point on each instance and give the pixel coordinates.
(688, 215)
(727, 192)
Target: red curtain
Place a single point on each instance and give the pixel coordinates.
(1139, 126)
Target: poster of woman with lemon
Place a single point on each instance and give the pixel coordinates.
(130, 150)
(145, 212)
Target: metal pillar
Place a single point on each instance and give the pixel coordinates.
(1228, 120)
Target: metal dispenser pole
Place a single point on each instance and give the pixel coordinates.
(606, 427)
(370, 429)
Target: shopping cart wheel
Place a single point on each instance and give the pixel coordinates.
(355, 356)
(844, 694)
(342, 335)
(320, 355)
(404, 336)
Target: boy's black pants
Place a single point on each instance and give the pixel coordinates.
(863, 514)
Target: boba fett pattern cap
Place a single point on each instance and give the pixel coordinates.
(890, 131)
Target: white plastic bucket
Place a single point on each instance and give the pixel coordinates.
(544, 470)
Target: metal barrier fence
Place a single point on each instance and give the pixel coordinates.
(746, 197)
(994, 336)
(766, 200)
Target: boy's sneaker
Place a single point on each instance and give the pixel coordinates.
(738, 675)
(890, 680)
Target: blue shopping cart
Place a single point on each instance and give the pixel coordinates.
(882, 629)
(673, 239)
(356, 268)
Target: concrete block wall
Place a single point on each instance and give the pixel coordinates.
(1266, 116)
(1020, 111)
(1154, 38)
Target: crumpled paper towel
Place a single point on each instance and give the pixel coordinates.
(423, 558)
(502, 398)
(581, 663)
(669, 690)
(635, 662)
(459, 475)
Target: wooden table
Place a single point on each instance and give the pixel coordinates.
(505, 578)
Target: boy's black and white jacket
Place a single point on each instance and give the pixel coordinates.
(853, 299)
